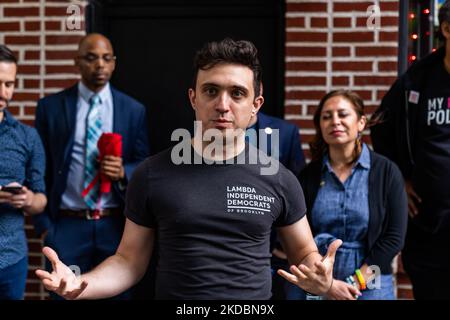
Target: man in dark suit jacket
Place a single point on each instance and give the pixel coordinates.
(290, 150)
(84, 235)
(290, 154)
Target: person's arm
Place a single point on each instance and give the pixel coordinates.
(310, 271)
(383, 132)
(30, 202)
(113, 276)
(392, 239)
(33, 193)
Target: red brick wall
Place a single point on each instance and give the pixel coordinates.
(41, 34)
(328, 46)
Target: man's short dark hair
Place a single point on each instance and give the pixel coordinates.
(444, 16)
(6, 55)
(240, 52)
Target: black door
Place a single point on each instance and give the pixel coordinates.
(155, 42)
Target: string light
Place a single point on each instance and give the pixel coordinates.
(426, 11)
(414, 36)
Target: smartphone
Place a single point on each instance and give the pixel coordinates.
(12, 189)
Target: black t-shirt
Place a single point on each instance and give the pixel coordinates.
(213, 223)
(431, 176)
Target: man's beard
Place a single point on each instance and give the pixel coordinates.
(5, 106)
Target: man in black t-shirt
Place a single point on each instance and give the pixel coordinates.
(212, 201)
(414, 132)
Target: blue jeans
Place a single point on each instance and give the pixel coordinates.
(13, 279)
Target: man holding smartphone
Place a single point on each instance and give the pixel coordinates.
(22, 186)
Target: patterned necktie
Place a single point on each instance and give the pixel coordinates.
(93, 133)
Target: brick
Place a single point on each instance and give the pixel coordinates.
(21, 12)
(295, 22)
(28, 297)
(366, 95)
(387, 66)
(303, 124)
(61, 69)
(373, 80)
(307, 138)
(341, 51)
(342, 22)
(311, 109)
(352, 66)
(353, 36)
(60, 54)
(32, 55)
(366, 139)
(52, 25)
(33, 246)
(30, 123)
(30, 111)
(384, 21)
(376, 51)
(389, 36)
(307, 66)
(349, 7)
(306, 81)
(389, 6)
(59, 83)
(307, 7)
(32, 25)
(370, 108)
(65, 39)
(22, 39)
(405, 294)
(319, 22)
(14, 110)
(340, 81)
(34, 261)
(389, 21)
(28, 69)
(302, 95)
(31, 83)
(57, 11)
(24, 96)
(32, 287)
(381, 94)
(292, 110)
(9, 26)
(306, 51)
(306, 36)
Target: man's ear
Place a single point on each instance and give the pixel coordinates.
(445, 30)
(191, 93)
(257, 104)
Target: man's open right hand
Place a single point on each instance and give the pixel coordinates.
(62, 280)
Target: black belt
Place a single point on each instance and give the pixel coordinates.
(90, 214)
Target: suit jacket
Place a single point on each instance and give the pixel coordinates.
(291, 154)
(55, 122)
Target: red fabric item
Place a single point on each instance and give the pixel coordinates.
(109, 144)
